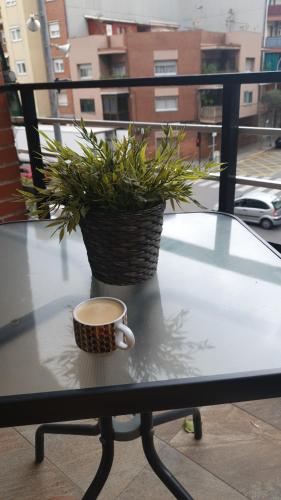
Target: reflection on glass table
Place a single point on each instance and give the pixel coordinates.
(207, 329)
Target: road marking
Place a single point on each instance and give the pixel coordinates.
(205, 183)
(242, 189)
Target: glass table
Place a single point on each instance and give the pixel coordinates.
(207, 327)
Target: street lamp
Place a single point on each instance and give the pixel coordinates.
(36, 23)
(32, 23)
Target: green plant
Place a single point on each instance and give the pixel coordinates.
(117, 177)
(209, 68)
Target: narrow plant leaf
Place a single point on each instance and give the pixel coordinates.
(118, 176)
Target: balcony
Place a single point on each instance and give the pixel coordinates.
(115, 105)
(211, 114)
(113, 66)
(210, 108)
(212, 470)
(274, 11)
(219, 60)
(273, 42)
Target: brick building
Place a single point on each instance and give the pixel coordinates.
(58, 33)
(162, 53)
(9, 166)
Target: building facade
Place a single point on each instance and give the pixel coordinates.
(25, 49)
(58, 33)
(138, 54)
(211, 15)
(272, 39)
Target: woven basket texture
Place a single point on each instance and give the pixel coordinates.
(123, 247)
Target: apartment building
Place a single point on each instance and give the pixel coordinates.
(138, 54)
(25, 49)
(2, 35)
(272, 40)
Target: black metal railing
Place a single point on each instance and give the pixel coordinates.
(231, 84)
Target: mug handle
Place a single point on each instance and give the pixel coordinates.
(129, 336)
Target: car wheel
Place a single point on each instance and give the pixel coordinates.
(266, 224)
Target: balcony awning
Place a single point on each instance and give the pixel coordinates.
(219, 47)
(210, 87)
(111, 51)
(152, 22)
(114, 92)
(109, 19)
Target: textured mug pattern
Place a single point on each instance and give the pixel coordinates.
(97, 339)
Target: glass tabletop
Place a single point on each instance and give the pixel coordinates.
(213, 308)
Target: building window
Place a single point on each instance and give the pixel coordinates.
(20, 68)
(62, 99)
(15, 34)
(10, 3)
(168, 103)
(58, 65)
(108, 29)
(87, 106)
(120, 30)
(118, 69)
(54, 29)
(250, 64)
(165, 68)
(248, 97)
(85, 71)
(115, 106)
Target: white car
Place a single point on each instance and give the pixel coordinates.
(259, 208)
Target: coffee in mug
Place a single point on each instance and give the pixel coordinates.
(100, 325)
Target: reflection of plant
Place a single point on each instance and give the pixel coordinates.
(166, 353)
(171, 353)
(67, 367)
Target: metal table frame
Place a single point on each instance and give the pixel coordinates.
(110, 430)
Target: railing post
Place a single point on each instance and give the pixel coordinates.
(32, 135)
(229, 145)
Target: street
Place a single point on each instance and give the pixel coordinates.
(266, 164)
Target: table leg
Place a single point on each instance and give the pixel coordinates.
(70, 429)
(154, 461)
(111, 429)
(107, 441)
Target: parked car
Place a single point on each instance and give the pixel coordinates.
(259, 208)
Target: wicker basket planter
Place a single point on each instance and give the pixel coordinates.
(123, 247)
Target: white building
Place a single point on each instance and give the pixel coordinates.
(211, 15)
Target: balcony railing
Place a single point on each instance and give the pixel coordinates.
(230, 82)
(274, 10)
(273, 42)
(211, 114)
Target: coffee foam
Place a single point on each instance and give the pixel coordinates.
(99, 311)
